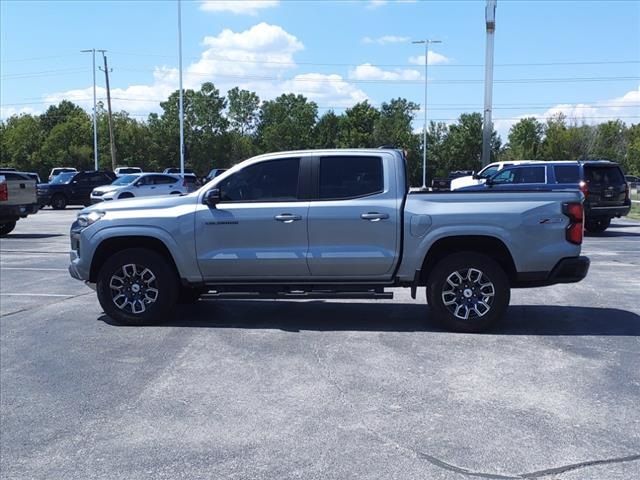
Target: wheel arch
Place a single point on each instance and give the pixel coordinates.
(110, 246)
(490, 246)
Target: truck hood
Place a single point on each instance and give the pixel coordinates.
(108, 188)
(466, 181)
(140, 204)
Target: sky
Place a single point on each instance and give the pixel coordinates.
(581, 58)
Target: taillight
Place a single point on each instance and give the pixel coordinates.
(584, 188)
(626, 191)
(575, 229)
(4, 192)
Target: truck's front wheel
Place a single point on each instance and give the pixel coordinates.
(137, 287)
(468, 292)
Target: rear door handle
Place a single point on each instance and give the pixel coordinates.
(374, 216)
(287, 217)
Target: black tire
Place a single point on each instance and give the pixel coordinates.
(469, 294)
(59, 202)
(125, 195)
(189, 295)
(597, 225)
(135, 288)
(7, 228)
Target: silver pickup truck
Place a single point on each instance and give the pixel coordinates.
(17, 199)
(327, 224)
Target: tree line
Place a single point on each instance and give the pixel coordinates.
(223, 130)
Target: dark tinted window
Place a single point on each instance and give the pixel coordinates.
(348, 177)
(521, 175)
(275, 180)
(603, 175)
(163, 179)
(567, 173)
(14, 176)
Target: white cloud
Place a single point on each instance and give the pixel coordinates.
(376, 3)
(367, 71)
(386, 39)
(257, 59)
(434, 59)
(628, 105)
(238, 7)
(325, 90)
(6, 112)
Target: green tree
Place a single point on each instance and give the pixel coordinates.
(631, 163)
(611, 141)
(287, 123)
(358, 126)
(327, 130)
(57, 114)
(462, 147)
(20, 140)
(525, 139)
(244, 110)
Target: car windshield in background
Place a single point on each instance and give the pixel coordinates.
(63, 178)
(129, 170)
(125, 180)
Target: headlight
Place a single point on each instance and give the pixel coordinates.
(86, 219)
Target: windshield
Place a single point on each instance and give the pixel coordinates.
(63, 178)
(129, 170)
(125, 180)
(487, 172)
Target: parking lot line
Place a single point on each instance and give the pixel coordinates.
(35, 295)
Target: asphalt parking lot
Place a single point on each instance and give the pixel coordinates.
(312, 389)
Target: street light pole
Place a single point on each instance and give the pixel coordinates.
(424, 130)
(487, 127)
(181, 106)
(95, 123)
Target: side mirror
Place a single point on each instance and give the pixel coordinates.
(212, 197)
(489, 182)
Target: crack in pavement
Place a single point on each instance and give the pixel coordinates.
(524, 476)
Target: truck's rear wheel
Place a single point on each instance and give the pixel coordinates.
(137, 287)
(59, 202)
(597, 225)
(468, 292)
(6, 228)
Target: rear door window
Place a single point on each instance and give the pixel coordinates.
(566, 173)
(344, 177)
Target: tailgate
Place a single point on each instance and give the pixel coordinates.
(606, 185)
(21, 192)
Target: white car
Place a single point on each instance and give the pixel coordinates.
(140, 185)
(120, 171)
(480, 177)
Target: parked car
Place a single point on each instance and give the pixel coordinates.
(213, 173)
(482, 175)
(126, 170)
(72, 188)
(632, 180)
(17, 199)
(266, 229)
(602, 182)
(176, 171)
(444, 184)
(139, 185)
(57, 171)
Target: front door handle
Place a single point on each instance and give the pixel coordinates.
(287, 218)
(374, 216)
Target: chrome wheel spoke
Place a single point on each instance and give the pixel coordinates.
(151, 295)
(120, 300)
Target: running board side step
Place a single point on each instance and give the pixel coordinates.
(292, 295)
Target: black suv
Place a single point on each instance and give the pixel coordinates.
(606, 192)
(72, 188)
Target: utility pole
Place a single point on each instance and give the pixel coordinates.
(95, 122)
(487, 130)
(424, 130)
(181, 101)
(112, 141)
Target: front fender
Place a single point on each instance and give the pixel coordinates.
(183, 253)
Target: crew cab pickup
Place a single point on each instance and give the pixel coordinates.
(327, 224)
(17, 199)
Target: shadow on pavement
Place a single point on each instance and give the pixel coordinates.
(609, 233)
(33, 235)
(385, 317)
